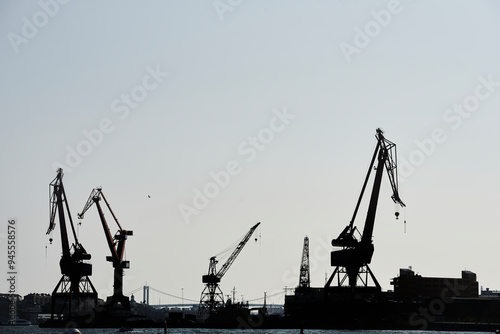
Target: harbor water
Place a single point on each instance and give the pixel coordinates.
(37, 330)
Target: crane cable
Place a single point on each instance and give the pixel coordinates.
(224, 254)
(46, 252)
(404, 213)
(397, 208)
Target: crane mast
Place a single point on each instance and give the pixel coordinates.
(74, 287)
(353, 259)
(116, 245)
(212, 296)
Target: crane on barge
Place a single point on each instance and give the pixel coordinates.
(212, 297)
(74, 287)
(351, 262)
(116, 246)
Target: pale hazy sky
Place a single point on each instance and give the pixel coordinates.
(156, 98)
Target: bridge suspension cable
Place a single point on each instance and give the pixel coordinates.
(268, 296)
(170, 295)
(280, 293)
(134, 291)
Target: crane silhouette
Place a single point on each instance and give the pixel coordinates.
(212, 297)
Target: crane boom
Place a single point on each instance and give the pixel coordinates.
(95, 197)
(58, 203)
(386, 150)
(391, 166)
(236, 251)
(70, 261)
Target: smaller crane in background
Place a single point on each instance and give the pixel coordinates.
(305, 276)
(116, 245)
(212, 297)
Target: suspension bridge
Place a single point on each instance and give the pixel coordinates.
(161, 299)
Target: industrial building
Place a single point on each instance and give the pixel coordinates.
(409, 286)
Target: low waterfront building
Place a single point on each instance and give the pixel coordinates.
(38, 298)
(490, 293)
(410, 286)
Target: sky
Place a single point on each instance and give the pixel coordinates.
(199, 119)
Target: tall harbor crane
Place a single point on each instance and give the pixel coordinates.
(353, 259)
(212, 297)
(116, 245)
(304, 279)
(74, 287)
